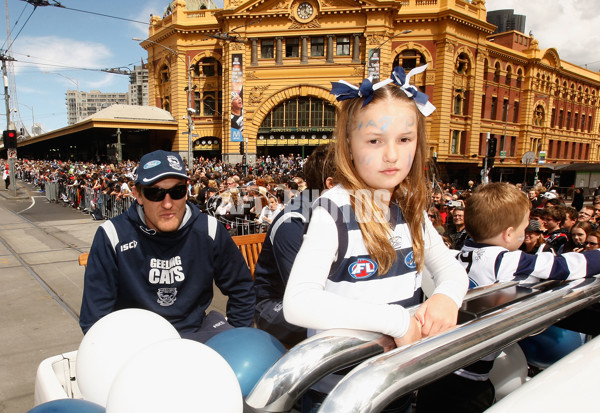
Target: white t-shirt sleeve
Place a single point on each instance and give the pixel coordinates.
(306, 302)
(449, 276)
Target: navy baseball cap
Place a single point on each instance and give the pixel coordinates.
(158, 165)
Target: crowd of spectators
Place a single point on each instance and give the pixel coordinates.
(555, 224)
(247, 200)
(253, 194)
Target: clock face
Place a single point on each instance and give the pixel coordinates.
(305, 10)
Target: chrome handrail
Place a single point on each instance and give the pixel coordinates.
(322, 354)
(381, 379)
(309, 361)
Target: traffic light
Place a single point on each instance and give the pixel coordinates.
(10, 139)
(491, 147)
(491, 151)
(242, 148)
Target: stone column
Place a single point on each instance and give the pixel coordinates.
(278, 51)
(254, 54)
(304, 50)
(329, 48)
(356, 48)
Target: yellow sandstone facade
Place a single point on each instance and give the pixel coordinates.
(285, 53)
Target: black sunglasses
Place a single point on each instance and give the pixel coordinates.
(155, 194)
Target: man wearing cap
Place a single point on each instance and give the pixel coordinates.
(163, 255)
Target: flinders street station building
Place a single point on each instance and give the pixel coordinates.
(255, 75)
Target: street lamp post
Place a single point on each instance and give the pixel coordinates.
(189, 110)
(377, 50)
(32, 117)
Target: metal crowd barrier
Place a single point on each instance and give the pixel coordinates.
(51, 190)
(87, 199)
(489, 320)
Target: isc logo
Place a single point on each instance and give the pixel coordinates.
(362, 268)
(129, 246)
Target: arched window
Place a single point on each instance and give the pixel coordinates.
(208, 67)
(459, 102)
(519, 77)
(486, 69)
(508, 79)
(409, 59)
(538, 116)
(300, 112)
(463, 65)
(164, 74)
(497, 73)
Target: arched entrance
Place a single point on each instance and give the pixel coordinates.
(297, 126)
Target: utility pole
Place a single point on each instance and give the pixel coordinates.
(11, 161)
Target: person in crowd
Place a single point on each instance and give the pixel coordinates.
(577, 236)
(438, 202)
(538, 215)
(436, 219)
(490, 256)
(6, 178)
(578, 199)
(592, 241)
(460, 235)
(585, 214)
(570, 218)
(270, 211)
(368, 239)
(596, 202)
(554, 217)
(534, 198)
(281, 246)
(164, 255)
(534, 241)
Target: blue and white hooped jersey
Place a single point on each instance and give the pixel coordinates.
(356, 274)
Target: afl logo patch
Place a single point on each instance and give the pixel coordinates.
(410, 260)
(362, 268)
(151, 164)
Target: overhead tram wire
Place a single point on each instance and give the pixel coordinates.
(13, 28)
(56, 4)
(22, 27)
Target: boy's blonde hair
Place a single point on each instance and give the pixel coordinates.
(411, 194)
(494, 207)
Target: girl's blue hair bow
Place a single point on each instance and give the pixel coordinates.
(344, 90)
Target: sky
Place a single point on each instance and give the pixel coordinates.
(62, 48)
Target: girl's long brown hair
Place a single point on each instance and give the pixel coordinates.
(411, 194)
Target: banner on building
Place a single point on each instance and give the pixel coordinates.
(373, 64)
(237, 103)
(542, 158)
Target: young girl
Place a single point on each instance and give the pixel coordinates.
(592, 242)
(369, 238)
(270, 211)
(579, 233)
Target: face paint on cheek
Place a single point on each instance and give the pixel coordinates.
(409, 161)
(521, 238)
(365, 160)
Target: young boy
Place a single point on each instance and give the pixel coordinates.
(496, 217)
